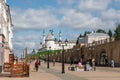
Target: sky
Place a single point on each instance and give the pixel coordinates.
(71, 17)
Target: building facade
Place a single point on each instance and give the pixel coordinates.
(6, 34)
(92, 37)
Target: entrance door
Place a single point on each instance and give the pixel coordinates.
(103, 60)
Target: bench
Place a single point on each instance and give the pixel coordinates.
(75, 68)
(80, 68)
(72, 68)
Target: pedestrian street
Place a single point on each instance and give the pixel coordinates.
(54, 73)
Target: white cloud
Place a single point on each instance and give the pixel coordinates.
(111, 17)
(81, 20)
(30, 45)
(74, 19)
(29, 41)
(18, 44)
(111, 14)
(28, 37)
(71, 17)
(33, 19)
(93, 5)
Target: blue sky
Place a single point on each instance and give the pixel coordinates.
(71, 17)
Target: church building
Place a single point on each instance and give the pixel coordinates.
(50, 43)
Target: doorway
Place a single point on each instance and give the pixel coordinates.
(103, 59)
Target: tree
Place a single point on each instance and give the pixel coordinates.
(117, 32)
(77, 42)
(110, 33)
(100, 31)
(86, 32)
(80, 36)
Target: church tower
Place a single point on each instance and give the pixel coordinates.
(43, 37)
(49, 41)
(60, 39)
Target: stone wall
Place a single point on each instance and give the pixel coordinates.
(103, 52)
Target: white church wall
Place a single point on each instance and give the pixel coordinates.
(50, 44)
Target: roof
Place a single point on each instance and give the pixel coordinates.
(97, 34)
(49, 37)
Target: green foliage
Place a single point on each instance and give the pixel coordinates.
(86, 32)
(100, 31)
(44, 53)
(117, 32)
(110, 33)
(80, 35)
(77, 42)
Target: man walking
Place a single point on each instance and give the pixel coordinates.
(93, 64)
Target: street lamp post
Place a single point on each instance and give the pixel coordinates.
(48, 66)
(63, 61)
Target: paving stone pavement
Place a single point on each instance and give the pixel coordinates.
(54, 73)
(102, 73)
(64, 76)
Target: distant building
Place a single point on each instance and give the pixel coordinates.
(90, 38)
(49, 42)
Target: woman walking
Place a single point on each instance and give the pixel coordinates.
(36, 65)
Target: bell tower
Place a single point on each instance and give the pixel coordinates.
(60, 39)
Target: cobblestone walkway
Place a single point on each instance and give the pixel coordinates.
(109, 69)
(65, 76)
(101, 73)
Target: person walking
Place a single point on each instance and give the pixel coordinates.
(93, 64)
(36, 65)
(112, 63)
(80, 64)
(106, 62)
(87, 66)
(53, 62)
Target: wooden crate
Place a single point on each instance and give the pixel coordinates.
(7, 67)
(17, 70)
